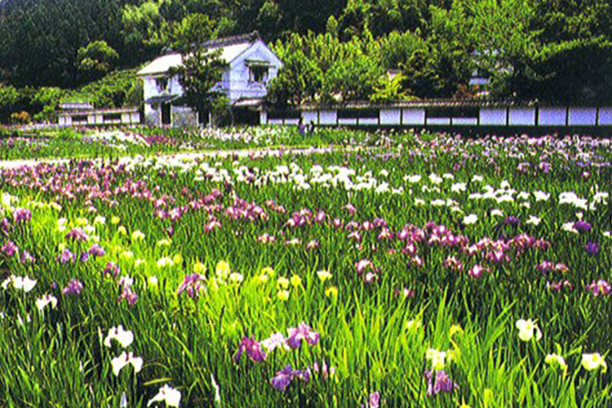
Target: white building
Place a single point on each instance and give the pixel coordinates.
(251, 66)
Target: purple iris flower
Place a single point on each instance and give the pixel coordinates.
(582, 226)
(252, 349)
(302, 332)
(512, 220)
(545, 166)
(96, 251)
(284, 377)
(592, 248)
(442, 383)
(374, 400)
(22, 215)
(191, 285)
(77, 234)
(128, 295)
(66, 256)
(84, 257)
(600, 287)
(111, 269)
(26, 257)
(10, 248)
(74, 287)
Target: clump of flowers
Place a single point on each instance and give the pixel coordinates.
(125, 359)
(283, 378)
(528, 330)
(46, 300)
(600, 288)
(192, 285)
(20, 283)
(74, 287)
(555, 360)
(440, 382)
(170, 396)
(119, 334)
(252, 349)
(594, 361)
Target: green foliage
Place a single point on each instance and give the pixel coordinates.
(9, 97)
(192, 31)
(376, 333)
(40, 39)
(551, 50)
(96, 60)
(121, 88)
(321, 68)
(20, 118)
(144, 29)
(390, 89)
(45, 103)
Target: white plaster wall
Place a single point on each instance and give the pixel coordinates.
(582, 116)
(368, 121)
(174, 86)
(551, 117)
(522, 116)
(438, 121)
(347, 121)
(390, 116)
(239, 73)
(605, 116)
(310, 116)
(328, 117)
(263, 117)
(493, 116)
(465, 121)
(413, 116)
(149, 87)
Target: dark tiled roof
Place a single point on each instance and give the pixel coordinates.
(422, 103)
(223, 42)
(109, 111)
(236, 39)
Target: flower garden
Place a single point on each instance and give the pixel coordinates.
(428, 270)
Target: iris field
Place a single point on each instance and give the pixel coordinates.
(411, 270)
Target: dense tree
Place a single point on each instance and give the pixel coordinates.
(40, 38)
(143, 29)
(96, 60)
(549, 50)
(202, 68)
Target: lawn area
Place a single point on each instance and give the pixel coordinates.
(416, 270)
(120, 142)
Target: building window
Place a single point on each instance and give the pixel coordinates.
(259, 74)
(162, 83)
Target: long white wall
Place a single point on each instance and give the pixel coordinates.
(485, 116)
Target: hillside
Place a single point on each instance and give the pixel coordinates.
(549, 50)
